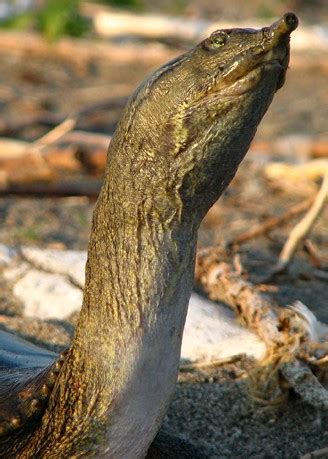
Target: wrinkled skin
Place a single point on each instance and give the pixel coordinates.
(177, 147)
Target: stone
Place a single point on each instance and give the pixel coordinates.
(50, 283)
(212, 332)
(7, 255)
(16, 271)
(47, 296)
(70, 263)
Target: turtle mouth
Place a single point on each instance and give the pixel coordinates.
(270, 54)
(252, 78)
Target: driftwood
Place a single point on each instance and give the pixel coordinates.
(319, 148)
(291, 334)
(110, 23)
(18, 163)
(59, 188)
(22, 163)
(76, 152)
(311, 170)
(40, 161)
(82, 51)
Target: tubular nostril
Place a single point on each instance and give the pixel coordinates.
(291, 20)
(284, 26)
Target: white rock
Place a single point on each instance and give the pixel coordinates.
(15, 271)
(47, 296)
(212, 332)
(7, 255)
(68, 262)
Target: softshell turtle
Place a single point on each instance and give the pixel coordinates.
(177, 146)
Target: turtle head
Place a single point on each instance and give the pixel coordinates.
(191, 123)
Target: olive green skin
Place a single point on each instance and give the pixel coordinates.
(178, 145)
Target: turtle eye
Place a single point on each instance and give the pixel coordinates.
(219, 40)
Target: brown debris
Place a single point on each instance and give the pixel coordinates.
(319, 148)
(302, 229)
(73, 152)
(58, 150)
(271, 223)
(287, 333)
(213, 363)
(312, 252)
(29, 167)
(59, 188)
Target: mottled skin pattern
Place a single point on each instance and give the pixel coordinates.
(177, 147)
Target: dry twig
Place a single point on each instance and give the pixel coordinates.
(39, 160)
(312, 253)
(66, 126)
(302, 229)
(310, 170)
(287, 333)
(211, 364)
(271, 223)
